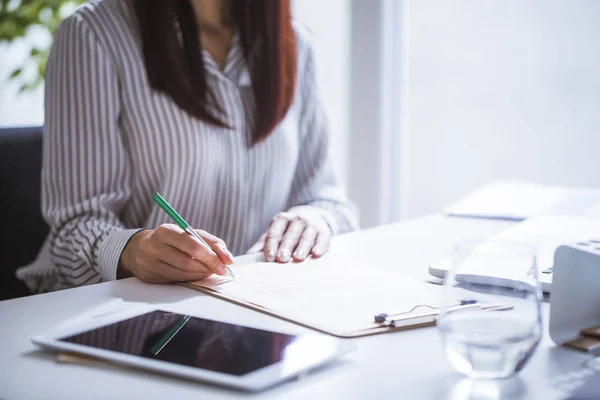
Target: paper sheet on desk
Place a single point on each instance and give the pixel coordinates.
(518, 200)
(332, 296)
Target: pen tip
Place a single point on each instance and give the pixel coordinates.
(230, 272)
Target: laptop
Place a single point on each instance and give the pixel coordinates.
(546, 233)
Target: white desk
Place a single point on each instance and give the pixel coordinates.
(406, 364)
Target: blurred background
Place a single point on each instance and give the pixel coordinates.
(427, 99)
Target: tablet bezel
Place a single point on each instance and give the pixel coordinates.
(252, 381)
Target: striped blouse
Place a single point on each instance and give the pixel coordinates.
(110, 141)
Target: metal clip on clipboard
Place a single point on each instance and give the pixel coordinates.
(400, 320)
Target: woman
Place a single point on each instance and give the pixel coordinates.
(213, 104)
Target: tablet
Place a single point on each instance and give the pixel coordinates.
(196, 348)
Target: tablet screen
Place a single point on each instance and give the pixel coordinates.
(190, 341)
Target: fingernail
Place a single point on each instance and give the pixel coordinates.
(270, 255)
(318, 251)
(222, 270)
(284, 255)
(299, 254)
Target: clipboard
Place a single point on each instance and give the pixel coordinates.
(370, 329)
(410, 313)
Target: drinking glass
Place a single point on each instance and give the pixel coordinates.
(490, 323)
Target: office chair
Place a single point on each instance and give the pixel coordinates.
(22, 228)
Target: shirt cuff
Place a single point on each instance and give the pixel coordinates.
(340, 217)
(110, 251)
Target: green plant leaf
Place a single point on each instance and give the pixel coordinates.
(16, 72)
(16, 17)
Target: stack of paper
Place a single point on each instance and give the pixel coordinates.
(518, 200)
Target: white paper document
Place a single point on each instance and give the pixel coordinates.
(335, 296)
(518, 200)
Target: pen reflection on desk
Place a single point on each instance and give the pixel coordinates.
(166, 207)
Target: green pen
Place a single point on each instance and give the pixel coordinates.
(181, 222)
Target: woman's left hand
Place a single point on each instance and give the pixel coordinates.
(295, 235)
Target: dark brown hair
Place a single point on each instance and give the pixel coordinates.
(174, 64)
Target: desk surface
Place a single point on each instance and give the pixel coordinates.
(407, 364)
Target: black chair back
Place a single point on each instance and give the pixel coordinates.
(22, 230)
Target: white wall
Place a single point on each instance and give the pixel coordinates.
(501, 88)
(329, 22)
(19, 109)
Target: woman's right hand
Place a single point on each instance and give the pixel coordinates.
(169, 254)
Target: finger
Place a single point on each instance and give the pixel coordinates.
(290, 239)
(321, 244)
(258, 246)
(179, 259)
(178, 238)
(218, 246)
(305, 244)
(151, 277)
(275, 232)
(160, 272)
(178, 275)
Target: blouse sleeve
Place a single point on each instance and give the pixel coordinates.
(316, 183)
(85, 178)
